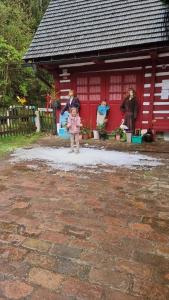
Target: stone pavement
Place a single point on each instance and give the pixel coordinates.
(84, 235)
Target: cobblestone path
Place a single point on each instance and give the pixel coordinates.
(84, 235)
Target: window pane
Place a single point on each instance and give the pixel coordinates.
(130, 78)
(115, 89)
(82, 81)
(95, 97)
(115, 97)
(94, 89)
(83, 97)
(116, 79)
(95, 81)
(82, 89)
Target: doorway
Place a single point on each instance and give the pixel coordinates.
(92, 88)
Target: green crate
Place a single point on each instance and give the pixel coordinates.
(137, 139)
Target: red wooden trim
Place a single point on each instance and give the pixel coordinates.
(152, 88)
(57, 83)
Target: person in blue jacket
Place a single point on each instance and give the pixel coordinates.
(102, 113)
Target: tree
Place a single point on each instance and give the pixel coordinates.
(8, 56)
(19, 20)
(34, 9)
(15, 25)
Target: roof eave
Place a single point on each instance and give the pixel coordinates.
(100, 54)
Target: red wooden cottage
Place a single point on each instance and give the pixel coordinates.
(100, 48)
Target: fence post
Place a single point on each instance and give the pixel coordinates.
(8, 121)
(37, 121)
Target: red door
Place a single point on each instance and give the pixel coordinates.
(89, 91)
(112, 86)
(117, 86)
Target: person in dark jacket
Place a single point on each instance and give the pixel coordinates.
(71, 103)
(130, 109)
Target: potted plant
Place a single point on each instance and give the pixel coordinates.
(120, 134)
(117, 136)
(102, 131)
(85, 133)
(112, 135)
(90, 130)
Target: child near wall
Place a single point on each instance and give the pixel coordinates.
(102, 113)
(74, 124)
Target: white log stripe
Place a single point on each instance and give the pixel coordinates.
(147, 75)
(161, 103)
(65, 80)
(161, 112)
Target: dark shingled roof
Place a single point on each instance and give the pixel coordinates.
(76, 26)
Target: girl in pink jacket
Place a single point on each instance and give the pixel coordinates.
(74, 124)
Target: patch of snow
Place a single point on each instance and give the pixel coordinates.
(61, 159)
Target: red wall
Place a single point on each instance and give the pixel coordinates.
(110, 81)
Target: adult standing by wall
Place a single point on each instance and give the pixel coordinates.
(73, 102)
(129, 108)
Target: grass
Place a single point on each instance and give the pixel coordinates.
(9, 144)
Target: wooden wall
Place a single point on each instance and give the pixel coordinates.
(151, 70)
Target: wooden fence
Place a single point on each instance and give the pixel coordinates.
(47, 120)
(17, 121)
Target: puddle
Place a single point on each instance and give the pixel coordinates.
(93, 158)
